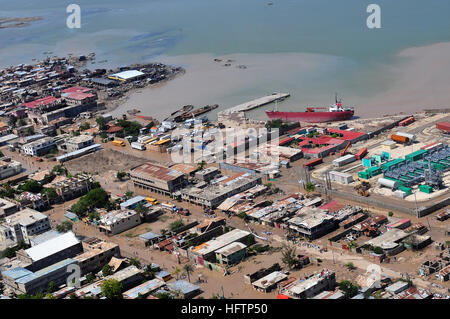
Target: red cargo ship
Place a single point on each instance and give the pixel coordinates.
(335, 113)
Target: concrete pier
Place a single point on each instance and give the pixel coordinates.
(256, 103)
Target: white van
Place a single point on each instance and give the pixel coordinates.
(138, 146)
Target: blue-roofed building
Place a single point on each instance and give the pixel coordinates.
(186, 289)
(23, 281)
(163, 275)
(144, 289)
(71, 216)
(133, 202)
(149, 238)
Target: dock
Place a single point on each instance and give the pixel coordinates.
(256, 103)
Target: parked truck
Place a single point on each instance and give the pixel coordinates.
(138, 146)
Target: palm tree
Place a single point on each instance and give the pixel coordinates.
(188, 270)
(176, 272)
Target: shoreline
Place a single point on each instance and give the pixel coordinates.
(416, 83)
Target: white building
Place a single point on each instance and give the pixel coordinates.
(78, 142)
(9, 168)
(119, 221)
(39, 147)
(26, 223)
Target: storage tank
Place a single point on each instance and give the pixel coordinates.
(411, 137)
(399, 139)
(388, 183)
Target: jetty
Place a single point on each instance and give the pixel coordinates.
(256, 103)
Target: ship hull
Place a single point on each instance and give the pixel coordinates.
(310, 117)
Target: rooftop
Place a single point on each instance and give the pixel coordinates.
(183, 286)
(221, 241)
(269, 280)
(52, 246)
(144, 288)
(127, 75)
(156, 171)
(25, 217)
(231, 248)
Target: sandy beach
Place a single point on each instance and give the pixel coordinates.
(416, 81)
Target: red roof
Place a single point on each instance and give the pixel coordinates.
(281, 296)
(77, 89)
(347, 135)
(114, 129)
(332, 206)
(41, 102)
(79, 96)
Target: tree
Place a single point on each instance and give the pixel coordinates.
(50, 193)
(90, 278)
(135, 262)
(96, 198)
(31, 186)
(391, 214)
(129, 194)
(101, 123)
(175, 225)
(64, 227)
(120, 175)
(201, 165)
(310, 187)
(188, 270)
(59, 170)
(350, 266)
(94, 215)
(85, 126)
(52, 287)
(378, 250)
(350, 289)
(141, 209)
(130, 127)
(288, 255)
(112, 289)
(176, 272)
(107, 270)
(163, 295)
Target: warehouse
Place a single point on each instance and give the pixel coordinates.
(127, 76)
(156, 178)
(340, 177)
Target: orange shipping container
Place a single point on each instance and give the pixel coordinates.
(400, 139)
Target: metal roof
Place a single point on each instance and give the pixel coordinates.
(144, 288)
(132, 201)
(148, 236)
(52, 246)
(45, 271)
(183, 286)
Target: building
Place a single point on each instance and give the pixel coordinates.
(390, 241)
(219, 190)
(397, 287)
(269, 282)
(207, 174)
(39, 147)
(51, 251)
(340, 177)
(97, 253)
(184, 288)
(119, 221)
(24, 281)
(7, 208)
(312, 286)
(133, 202)
(9, 168)
(314, 224)
(231, 254)
(127, 76)
(78, 142)
(128, 277)
(31, 200)
(26, 223)
(73, 187)
(144, 289)
(157, 178)
(206, 251)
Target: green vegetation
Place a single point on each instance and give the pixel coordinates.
(7, 191)
(163, 295)
(59, 170)
(350, 266)
(96, 198)
(112, 289)
(94, 215)
(391, 214)
(101, 123)
(378, 250)
(85, 126)
(90, 278)
(175, 225)
(188, 270)
(289, 257)
(30, 186)
(10, 252)
(135, 262)
(64, 227)
(350, 289)
(107, 270)
(260, 249)
(310, 187)
(121, 175)
(242, 215)
(141, 209)
(276, 124)
(129, 128)
(51, 194)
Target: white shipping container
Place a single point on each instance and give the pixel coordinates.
(399, 194)
(341, 161)
(340, 177)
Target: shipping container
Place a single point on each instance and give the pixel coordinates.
(344, 160)
(405, 189)
(363, 174)
(361, 153)
(417, 155)
(313, 162)
(340, 177)
(444, 126)
(373, 171)
(426, 189)
(399, 139)
(407, 121)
